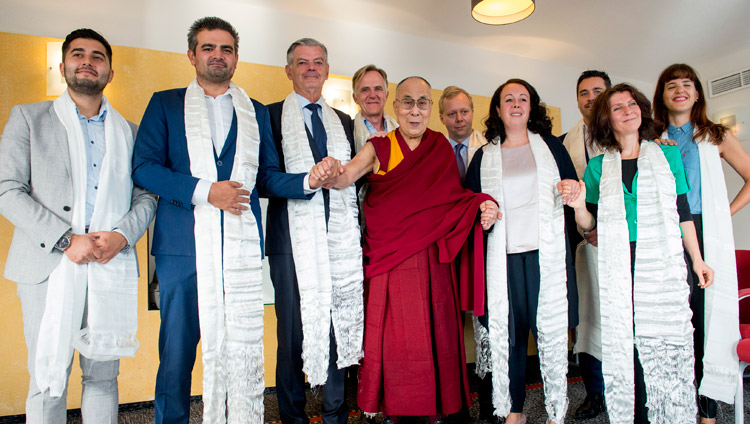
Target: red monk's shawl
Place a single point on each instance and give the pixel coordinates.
(419, 202)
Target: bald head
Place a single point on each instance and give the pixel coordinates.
(407, 79)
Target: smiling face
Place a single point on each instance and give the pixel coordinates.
(413, 121)
(680, 95)
(308, 70)
(86, 67)
(588, 90)
(624, 114)
(457, 117)
(214, 58)
(515, 105)
(371, 94)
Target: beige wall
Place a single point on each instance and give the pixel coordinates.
(138, 73)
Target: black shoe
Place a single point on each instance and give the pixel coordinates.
(592, 406)
(388, 420)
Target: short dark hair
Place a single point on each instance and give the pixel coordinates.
(539, 122)
(90, 34)
(210, 23)
(601, 129)
(594, 74)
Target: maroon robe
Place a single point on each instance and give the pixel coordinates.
(418, 218)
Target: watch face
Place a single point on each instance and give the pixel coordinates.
(63, 243)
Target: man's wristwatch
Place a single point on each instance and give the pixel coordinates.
(64, 241)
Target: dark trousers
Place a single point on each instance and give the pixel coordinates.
(178, 337)
(706, 406)
(523, 291)
(290, 380)
(591, 372)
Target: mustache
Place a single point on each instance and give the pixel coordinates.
(220, 61)
(87, 68)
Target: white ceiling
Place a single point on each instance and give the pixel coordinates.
(628, 37)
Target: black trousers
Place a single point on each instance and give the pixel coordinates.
(523, 290)
(290, 380)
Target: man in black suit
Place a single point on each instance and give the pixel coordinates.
(308, 298)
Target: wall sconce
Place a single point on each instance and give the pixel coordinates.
(337, 93)
(501, 12)
(735, 119)
(55, 81)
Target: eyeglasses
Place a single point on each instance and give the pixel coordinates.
(422, 104)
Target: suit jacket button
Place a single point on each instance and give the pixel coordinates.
(219, 163)
(42, 245)
(66, 208)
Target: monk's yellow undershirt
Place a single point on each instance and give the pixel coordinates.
(396, 155)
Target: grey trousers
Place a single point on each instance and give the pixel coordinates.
(99, 398)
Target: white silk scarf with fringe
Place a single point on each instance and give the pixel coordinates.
(328, 263)
(228, 265)
(721, 307)
(112, 287)
(663, 332)
(552, 313)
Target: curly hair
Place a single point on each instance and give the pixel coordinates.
(601, 128)
(539, 122)
(713, 132)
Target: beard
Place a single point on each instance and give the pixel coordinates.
(216, 75)
(84, 86)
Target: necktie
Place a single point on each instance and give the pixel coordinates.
(460, 160)
(318, 130)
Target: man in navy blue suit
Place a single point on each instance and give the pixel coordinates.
(206, 150)
(313, 247)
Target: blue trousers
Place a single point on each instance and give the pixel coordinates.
(178, 337)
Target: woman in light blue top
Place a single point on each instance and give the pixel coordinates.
(680, 105)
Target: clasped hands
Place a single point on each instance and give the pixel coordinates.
(325, 173)
(100, 246)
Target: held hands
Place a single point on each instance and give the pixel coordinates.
(569, 190)
(110, 243)
(704, 272)
(591, 238)
(229, 197)
(325, 173)
(83, 249)
(489, 214)
(100, 246)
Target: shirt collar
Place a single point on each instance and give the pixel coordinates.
(465, 142)
(304, 102)
(687, 128)
(98, 117)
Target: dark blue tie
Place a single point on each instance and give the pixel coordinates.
(318, 130)
(460, 160)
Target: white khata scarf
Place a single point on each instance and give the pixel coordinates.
(228, 265)
(362, 134)
(721, 308)
(328, 264)
(663, 332)
(113, 287)
(552, 315)
(588, 332)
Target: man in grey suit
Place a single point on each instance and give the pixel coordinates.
(65, 185)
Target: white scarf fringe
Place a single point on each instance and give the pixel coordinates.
(113, 287)
(663, 334)
(229, 280)
(552, 312)
(328, 263)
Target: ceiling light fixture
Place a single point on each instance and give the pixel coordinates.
(501, 12)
